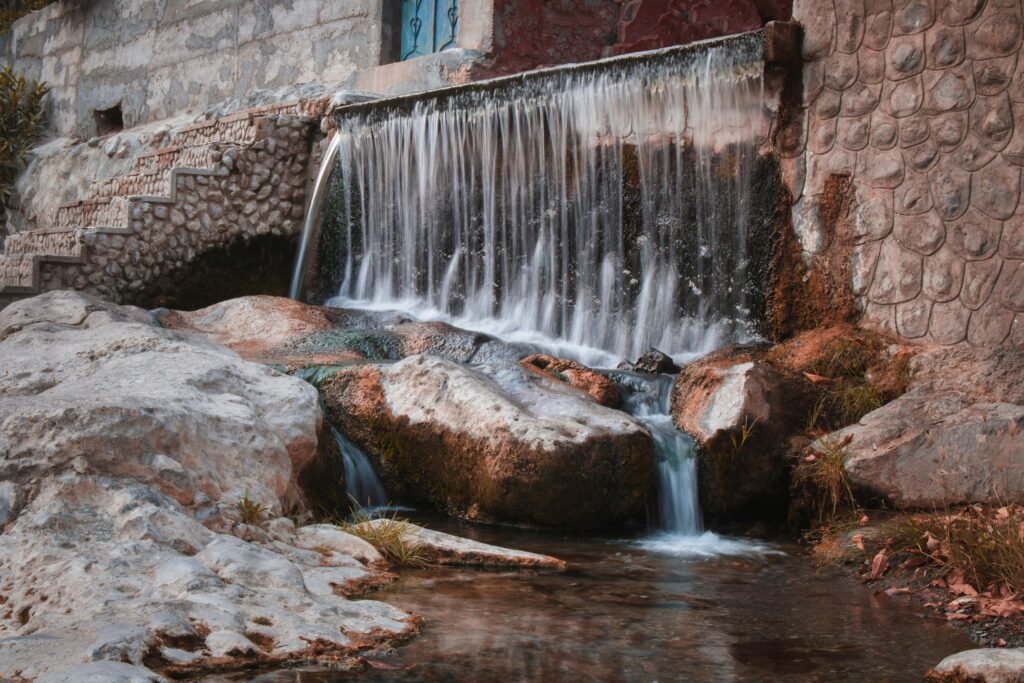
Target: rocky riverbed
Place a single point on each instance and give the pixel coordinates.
(165, 476)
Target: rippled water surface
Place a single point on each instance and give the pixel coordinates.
(638, 611)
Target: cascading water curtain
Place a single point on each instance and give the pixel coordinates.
(610, 207)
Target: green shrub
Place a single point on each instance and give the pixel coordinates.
(12, 10)
(22, 121)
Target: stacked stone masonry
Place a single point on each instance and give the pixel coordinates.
(236, 177)
(921, 104)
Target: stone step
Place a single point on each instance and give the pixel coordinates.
(195, 151)
(51, 241)
(18, 274)
(111, 211)
(199, 156)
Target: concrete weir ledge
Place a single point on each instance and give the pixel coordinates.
(778, 44)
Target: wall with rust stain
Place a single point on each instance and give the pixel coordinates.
(534, 33)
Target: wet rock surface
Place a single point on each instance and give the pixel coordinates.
(738, 408)
(597, 386)
(494, 442)
(278, 330)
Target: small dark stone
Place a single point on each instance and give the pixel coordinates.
(654, 362)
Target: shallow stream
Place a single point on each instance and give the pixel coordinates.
(626, 612)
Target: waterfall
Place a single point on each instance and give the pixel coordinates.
(361, 482)
(647, 399)
(608, 207)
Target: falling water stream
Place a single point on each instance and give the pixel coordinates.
(607, 210)
(594, 211)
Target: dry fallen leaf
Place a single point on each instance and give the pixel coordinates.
(879, 565)
(816, 378)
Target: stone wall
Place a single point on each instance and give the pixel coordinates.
(251, 189)
(158, 58)
(533, 33)
(920, 103)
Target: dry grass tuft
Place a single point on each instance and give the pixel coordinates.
(249, 510)
(389, 535)
(983, 545)
(823, 475)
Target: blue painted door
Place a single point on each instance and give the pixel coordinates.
(428, 26)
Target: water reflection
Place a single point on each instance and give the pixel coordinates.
(623, 613)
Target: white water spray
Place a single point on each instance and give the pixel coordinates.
(610, 208)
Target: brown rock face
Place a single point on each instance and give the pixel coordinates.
(737, 407)
(502, 443)
(594, 384)
(957, 434)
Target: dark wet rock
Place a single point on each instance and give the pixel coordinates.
(281, 331)
(737, 408)
(652, 362)
(495, 442)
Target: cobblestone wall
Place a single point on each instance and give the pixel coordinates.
(250, 190)
(921, 104)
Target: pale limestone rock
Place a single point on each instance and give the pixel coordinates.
(710, 399)
(440, 548)
(332, 537)
(116, 424)
(989, 665)
(11, 501)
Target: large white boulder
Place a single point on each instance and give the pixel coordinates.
(124, 448)
(495, 441)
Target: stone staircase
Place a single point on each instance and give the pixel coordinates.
(108, 241)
